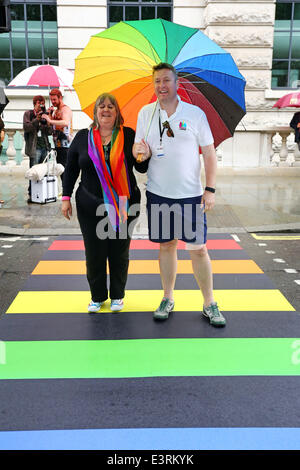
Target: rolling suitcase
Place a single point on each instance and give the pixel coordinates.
(44, 189)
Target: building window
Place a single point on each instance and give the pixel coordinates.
(32, 40)
(127, 10)
(286, 51)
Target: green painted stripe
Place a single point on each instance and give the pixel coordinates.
(150, 358)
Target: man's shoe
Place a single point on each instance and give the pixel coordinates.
(213, 313)
(116, 305)
(163, 311)
(94, 307)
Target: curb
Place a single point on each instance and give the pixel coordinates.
(280, 228)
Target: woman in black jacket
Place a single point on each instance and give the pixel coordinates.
(104, 199)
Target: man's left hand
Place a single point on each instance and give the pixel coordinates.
(208, 199)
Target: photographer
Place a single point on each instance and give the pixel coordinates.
(60, 117)
(36, 132)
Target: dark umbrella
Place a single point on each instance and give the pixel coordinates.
(3, 100)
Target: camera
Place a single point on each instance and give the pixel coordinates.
(43, 111)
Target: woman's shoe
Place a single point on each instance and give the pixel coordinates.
(94, 306)
(116, 305)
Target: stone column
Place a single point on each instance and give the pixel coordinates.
(11, 151)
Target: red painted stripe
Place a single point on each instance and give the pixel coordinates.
(146, 245)
(211, 245)
(67, 245)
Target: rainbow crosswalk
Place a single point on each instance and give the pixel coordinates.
(67, 372)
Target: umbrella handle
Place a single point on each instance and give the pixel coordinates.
(139, 157)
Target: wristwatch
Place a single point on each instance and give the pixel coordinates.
(211, 190)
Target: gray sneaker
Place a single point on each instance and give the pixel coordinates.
(213, 313)
(163, 311)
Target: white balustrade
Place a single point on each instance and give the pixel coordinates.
(283, 150)
(279, 150)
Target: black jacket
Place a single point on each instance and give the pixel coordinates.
(31, 126)
(90, 190)
(1, 129)
(293, 125)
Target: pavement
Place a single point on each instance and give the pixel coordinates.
(252, 200)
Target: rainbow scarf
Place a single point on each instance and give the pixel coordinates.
(114, 180)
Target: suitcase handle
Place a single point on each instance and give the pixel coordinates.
(51, 156)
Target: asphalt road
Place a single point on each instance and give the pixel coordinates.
(278, 258)
(18, 258)
(278, 255)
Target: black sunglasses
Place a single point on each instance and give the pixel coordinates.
(166, 125)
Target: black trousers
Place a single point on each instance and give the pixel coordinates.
(100, 252)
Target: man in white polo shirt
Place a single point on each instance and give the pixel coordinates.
(171, 131)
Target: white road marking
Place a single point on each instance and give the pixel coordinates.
(14, 239)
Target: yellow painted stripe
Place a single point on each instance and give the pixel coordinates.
(149, 267)
(275, 237)
(148, 300)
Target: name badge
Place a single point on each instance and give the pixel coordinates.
(160, 151)
(39, 134)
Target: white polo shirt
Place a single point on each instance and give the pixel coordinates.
(174, 167)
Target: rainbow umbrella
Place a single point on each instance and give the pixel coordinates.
(119, 60)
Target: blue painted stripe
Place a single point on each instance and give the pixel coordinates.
(156, 438)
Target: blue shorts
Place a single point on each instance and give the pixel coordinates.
(170, 219)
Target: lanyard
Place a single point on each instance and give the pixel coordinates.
(161, 132)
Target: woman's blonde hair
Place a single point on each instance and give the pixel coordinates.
(119, 118)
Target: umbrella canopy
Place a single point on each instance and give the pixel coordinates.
(119, 60)
(43, 76)
(291, 100)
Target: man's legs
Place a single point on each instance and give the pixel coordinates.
(203, 274)
(168, 267)
(41, 154)
(32, 162)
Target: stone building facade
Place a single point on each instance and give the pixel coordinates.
(245, 29)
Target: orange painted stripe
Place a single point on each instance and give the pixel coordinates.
(149, 267)
(146, 245)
